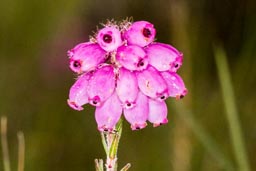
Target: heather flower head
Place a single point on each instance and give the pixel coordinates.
(123, 71)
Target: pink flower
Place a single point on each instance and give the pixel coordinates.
(138, 115)
(164, 57)
(157, 112)
(152, 84)
(126, 82)
(140, 33)
(108, 114)
(175, 84)
(101, 85)
(78, 95)
(132, 57)
(127, 74)
(85, 57)
(109, 38)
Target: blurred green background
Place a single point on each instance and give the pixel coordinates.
(35, 81)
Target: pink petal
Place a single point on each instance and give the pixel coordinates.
(138, 115)
(140, 33)
(152, 84)
(108, 114)
(157, 112)
(132, 57)
(101, 85)
(127, 87)
(86, 56)
(176, 86)
(109, 38)
(163, 56)
(78, 92)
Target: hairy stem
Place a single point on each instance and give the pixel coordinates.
(110, 141)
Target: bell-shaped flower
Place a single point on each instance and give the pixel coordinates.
(108, 114)
(152, 84)
(101, 85)
(127, 87)
(163, 57)
(78, 92)
(109, 38)
(157, 112)
(138, 115)
(132, 57)
(85, 57)
(175, 84)
(140, 33)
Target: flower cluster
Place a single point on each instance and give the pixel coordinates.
(122, 70)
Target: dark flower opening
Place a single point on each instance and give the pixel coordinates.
(162, 97)
(146, 32)
(107, 38)
(141, 63)
(77, 64)
(105, 129)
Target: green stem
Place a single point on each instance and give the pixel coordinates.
(231, 111)
(110, 141)
(104, 142)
